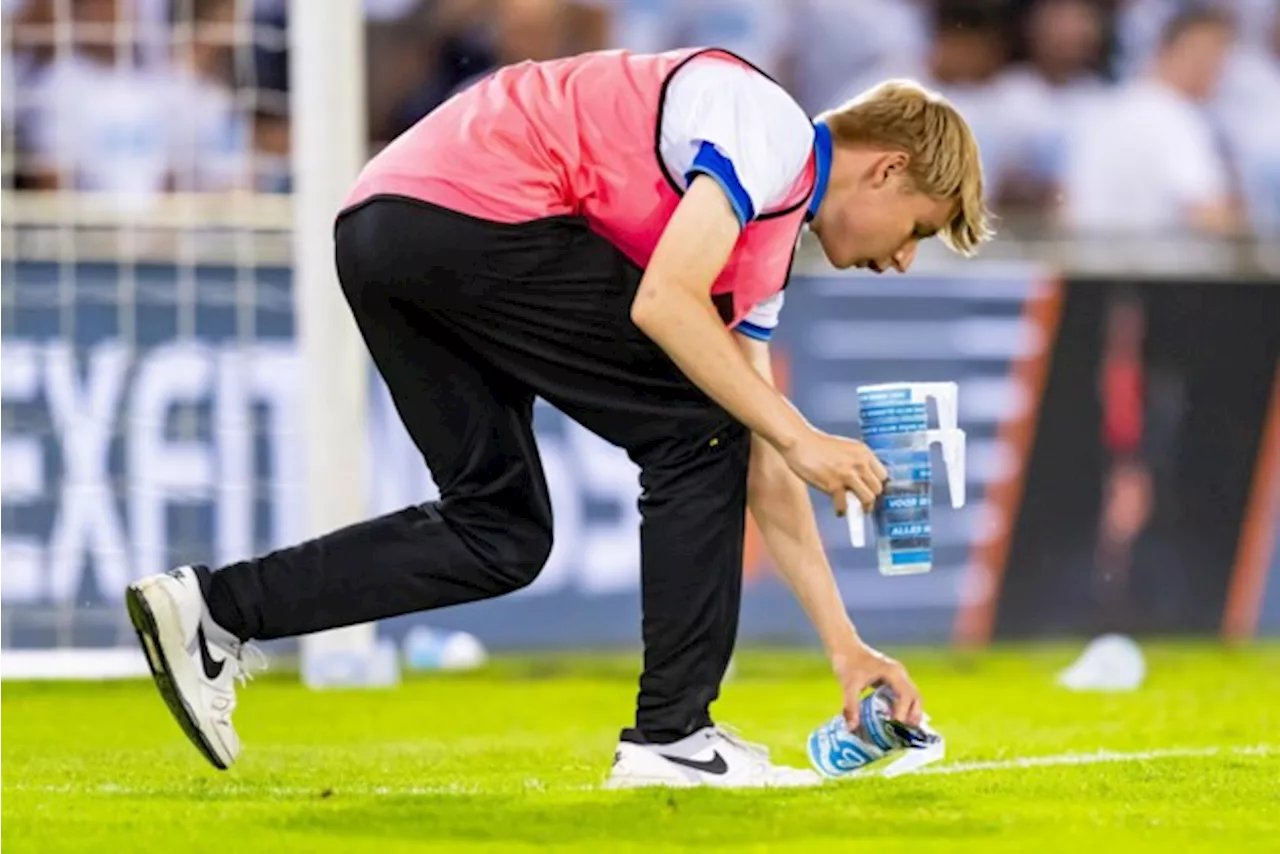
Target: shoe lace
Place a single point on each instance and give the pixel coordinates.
(757, 751)
(252, 661)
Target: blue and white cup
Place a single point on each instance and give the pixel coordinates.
(895, 425)
(878, 745)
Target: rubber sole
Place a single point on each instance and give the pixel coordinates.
(144, 623)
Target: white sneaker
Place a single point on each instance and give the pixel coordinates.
(712, 756)
(195, 662)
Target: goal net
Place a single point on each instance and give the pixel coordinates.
(155, 372)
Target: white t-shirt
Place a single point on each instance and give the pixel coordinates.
(106, 127)
(1139, 161)
(1036, 118)
(1252, 131)
(129, 131)
(755, 126)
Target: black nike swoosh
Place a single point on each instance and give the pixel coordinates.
(212, 667)
(714, 765)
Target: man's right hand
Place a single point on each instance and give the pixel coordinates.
(837, 466)
(858, 667)
(673, 307)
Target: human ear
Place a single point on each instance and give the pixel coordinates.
(890, 164)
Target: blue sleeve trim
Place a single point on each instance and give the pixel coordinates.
(751, 330)
(709, 161)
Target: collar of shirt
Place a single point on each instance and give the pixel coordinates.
(822, 164)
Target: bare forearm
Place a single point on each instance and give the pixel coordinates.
(779, 502)
(673, 307)
(689, 330)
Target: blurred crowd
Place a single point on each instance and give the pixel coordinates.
(1093, 115)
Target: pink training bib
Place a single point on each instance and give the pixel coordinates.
(576, 136)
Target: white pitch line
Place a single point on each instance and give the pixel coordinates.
(1097, 758)
(534, 785)
(214, 791)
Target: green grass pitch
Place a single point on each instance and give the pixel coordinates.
(509, 759)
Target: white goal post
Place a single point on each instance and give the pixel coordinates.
(327, 110)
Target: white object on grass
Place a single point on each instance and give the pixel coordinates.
(1112, 662)
(377, 666)
(426, 648)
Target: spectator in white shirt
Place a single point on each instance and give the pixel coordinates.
(1045, 95)
(102, 120)
(210, 134)
(94, 119)
(1248, 108)
(1146, 158)
(1140, 22)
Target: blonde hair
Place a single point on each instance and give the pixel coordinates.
(901, 115)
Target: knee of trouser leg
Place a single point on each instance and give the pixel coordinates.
(512, 548)
(532, 541)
